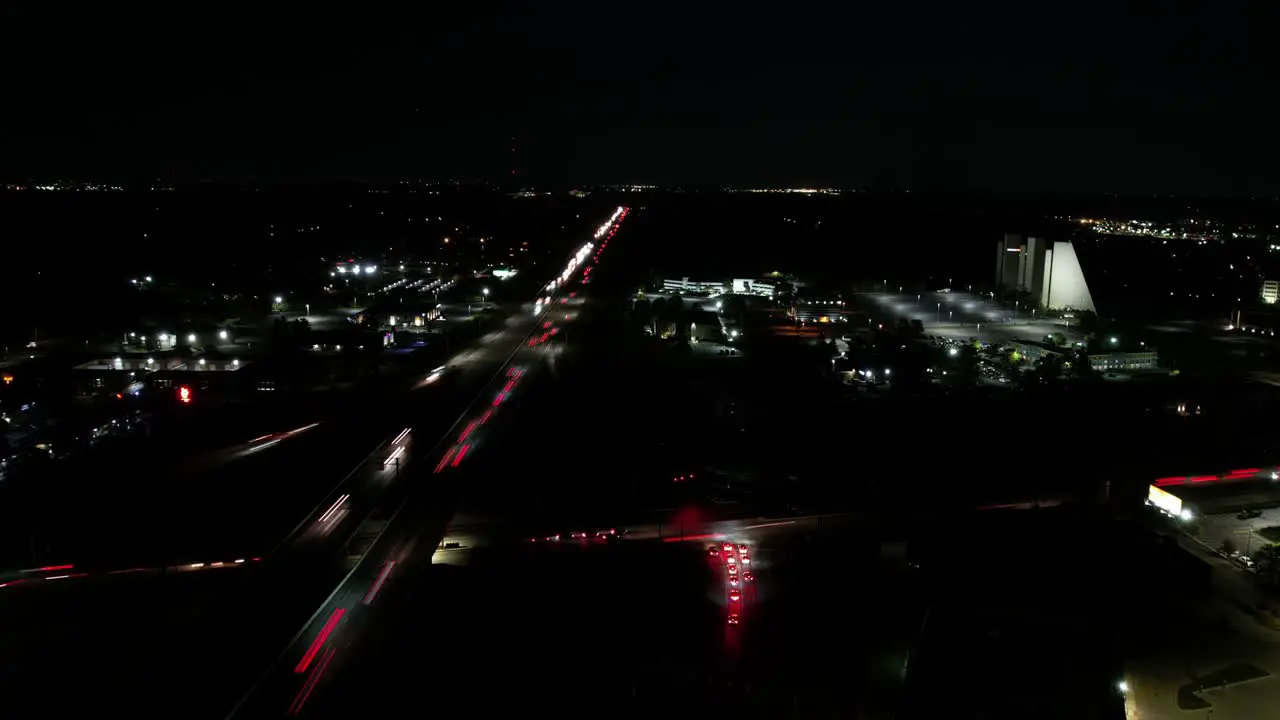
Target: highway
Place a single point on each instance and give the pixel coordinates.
(211, 642)
(363, 651)
(383, 532)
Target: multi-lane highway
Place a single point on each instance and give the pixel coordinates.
(386, 534)
(352, 656)
(198, 655)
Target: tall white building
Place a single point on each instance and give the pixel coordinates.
(1048, 271)
(1270, 291)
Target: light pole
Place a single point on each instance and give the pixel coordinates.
(939, 312)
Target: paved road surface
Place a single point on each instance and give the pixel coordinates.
(398, 533)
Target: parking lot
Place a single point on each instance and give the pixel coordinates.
(961, 315)
(1238, 529)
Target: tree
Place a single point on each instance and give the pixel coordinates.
(910, 328)
(1056, 338)
(963, 366)
(675, 316)
(642, 313)
(1267, 564)
(290, 336)
(1081, 367)
(1086, 321)
(1049, 367)
(734, 306)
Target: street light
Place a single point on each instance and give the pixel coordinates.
(279, 300)
(222, 334)
(191, 338)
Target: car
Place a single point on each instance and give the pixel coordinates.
(746, 560)
(1248, 514)
(713, 551)
(735, 596)
(727, 547)
(748, 577)
(733, 581)
(552, 538)
(742, 548)
(578, 535)
(733, 569)
(730, 560)
(733, 618)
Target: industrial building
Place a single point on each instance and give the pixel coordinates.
(1048, 272)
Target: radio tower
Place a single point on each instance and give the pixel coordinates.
(515, 159)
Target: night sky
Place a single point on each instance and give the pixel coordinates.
(1135, 98)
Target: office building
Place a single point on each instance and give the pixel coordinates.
(1270, 291)
(746, 286)
(1049, 272)
(685, 285)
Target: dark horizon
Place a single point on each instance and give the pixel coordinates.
(1113, 101)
